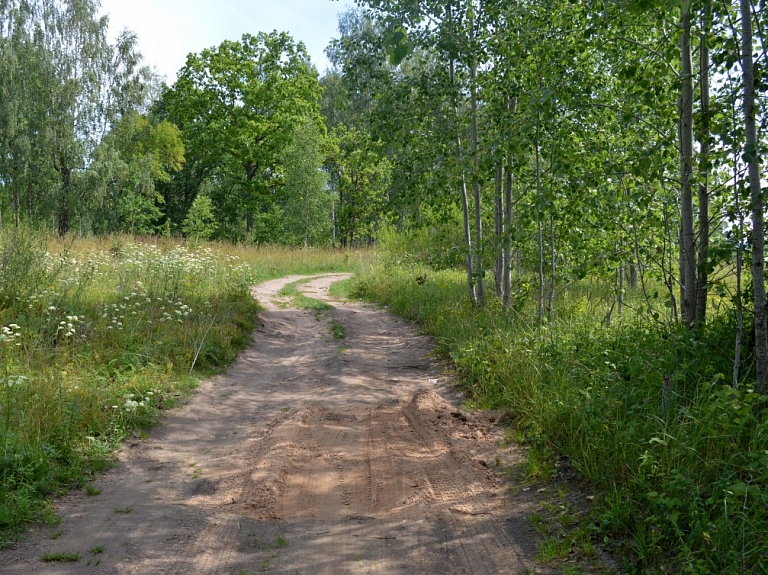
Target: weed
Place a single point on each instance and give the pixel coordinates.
(98, 549)
(337, 330)
(554, 548)
(91, 490)
(299, 300)
(61, 557)
(282, 541)
(126, 509)
(56, 534)
(538, 523)
(340, 289)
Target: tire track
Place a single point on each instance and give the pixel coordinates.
(310, 455)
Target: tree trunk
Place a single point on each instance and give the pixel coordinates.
(499, 221)
(758, 238)
(552, 262)
(621, 290)
(511, 106)
(464, 195)
(16, 207)
(508, 215)
(633, 275)
(478, 247)
(539, 233)
(64, 200)
(250, 173)
(702, 288)
(687, 235)
(739, 263)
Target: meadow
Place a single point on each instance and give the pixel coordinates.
(98, 336)
(641, 413)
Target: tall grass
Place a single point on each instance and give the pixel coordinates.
(97, 336)
(642, 413)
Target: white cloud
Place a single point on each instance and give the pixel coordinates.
(168, 30)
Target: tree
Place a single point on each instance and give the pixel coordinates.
(237, 106)
(756, 193)
(134, 157)
(305, 199)
(200, 222)
(63, 85)
(359, 176)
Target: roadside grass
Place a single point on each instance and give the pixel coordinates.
(642, 412)
(98, 336)
(341, 289)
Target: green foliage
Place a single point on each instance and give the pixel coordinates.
(359, 176)
(642, 414)
(61, 84)
(306, 202)
(340, 289)
(200, 222)
(337, 330)
(240, 106)
(134, 158)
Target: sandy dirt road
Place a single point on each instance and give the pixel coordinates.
(311, 455)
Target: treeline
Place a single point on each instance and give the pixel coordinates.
(93, 142)
(620, 141)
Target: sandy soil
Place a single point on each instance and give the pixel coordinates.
(311, 455)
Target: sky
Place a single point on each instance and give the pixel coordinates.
(168, 30)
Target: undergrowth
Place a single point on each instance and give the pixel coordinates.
(647, 416)
(98, 336)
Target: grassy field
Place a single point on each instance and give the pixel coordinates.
(98, 336)
(643, 413)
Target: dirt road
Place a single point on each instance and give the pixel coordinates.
(311, 455)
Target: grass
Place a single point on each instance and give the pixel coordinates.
(640, 411)
(91, 490)
(60, 557)
(341, 289)
(99, 336)
(299, 300)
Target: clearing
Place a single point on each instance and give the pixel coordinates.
(313, 454)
